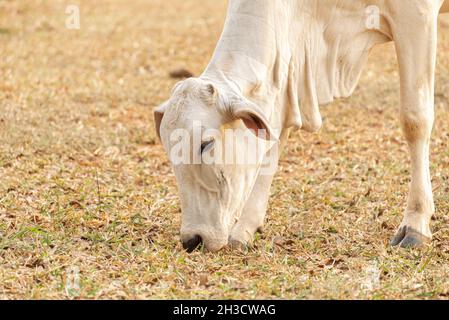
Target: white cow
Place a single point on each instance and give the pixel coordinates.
(274, 64)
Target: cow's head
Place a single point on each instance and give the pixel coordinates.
(217, 142)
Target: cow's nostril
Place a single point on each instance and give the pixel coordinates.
(192, 244)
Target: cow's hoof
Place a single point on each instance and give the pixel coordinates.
(408, 237)
(237, 244)
(240, 239)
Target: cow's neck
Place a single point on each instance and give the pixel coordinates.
(289, 56)
(248, 59)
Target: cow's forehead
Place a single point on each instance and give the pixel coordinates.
(188, 112)
(190, 102)
(189, 109)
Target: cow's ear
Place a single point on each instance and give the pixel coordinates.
(158, 115)
(253, 118)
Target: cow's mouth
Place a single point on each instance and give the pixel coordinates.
(207, 238)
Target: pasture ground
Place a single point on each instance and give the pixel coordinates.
(86, 191)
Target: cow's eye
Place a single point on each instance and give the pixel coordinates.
(206, 145)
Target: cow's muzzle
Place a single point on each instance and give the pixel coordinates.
(211, 239)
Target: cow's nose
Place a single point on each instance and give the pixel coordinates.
(192, 243)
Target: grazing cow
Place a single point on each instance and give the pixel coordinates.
(275, 64)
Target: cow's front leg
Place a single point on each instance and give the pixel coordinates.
(253, 214)
(255, 209)
(416, 51)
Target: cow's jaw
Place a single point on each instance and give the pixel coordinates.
(210, 210)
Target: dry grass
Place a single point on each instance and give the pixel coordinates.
(84, 184)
